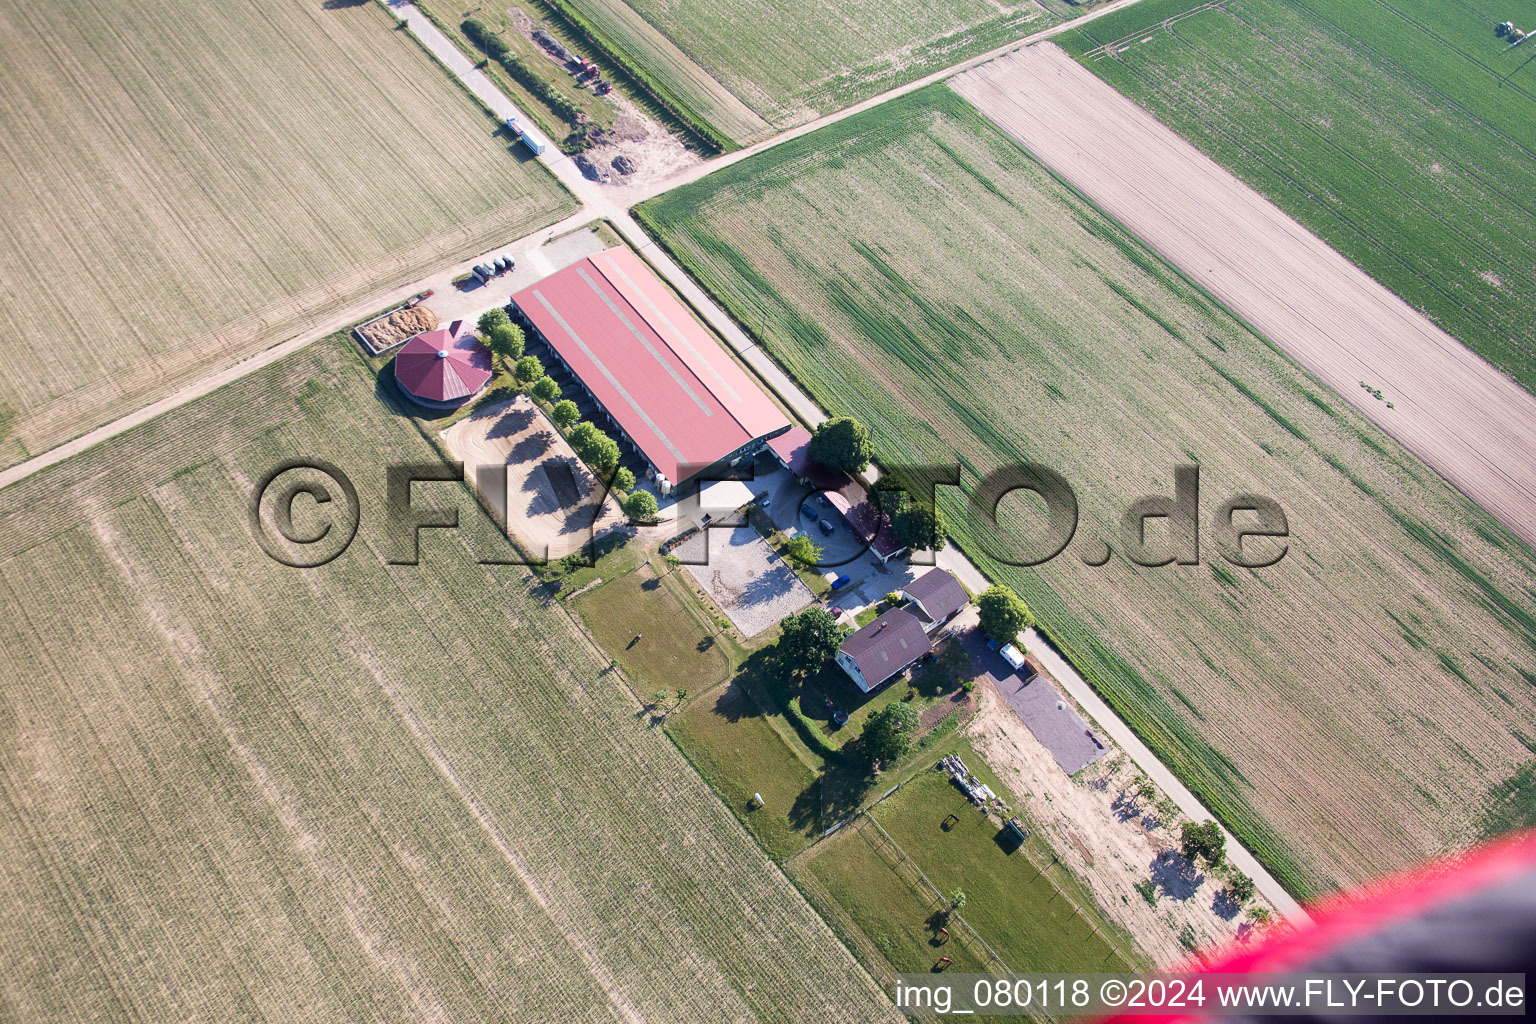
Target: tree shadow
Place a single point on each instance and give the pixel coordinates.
(734, 704)
(512, 421)
(1224, 905)
(1176, 876)
(529, 448)
(805, 812)
(337, 5)
(767, 587)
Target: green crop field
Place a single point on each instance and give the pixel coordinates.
(233, 790)
(1384, 126)
(192, 183)
(1349, 710)
(783, 64)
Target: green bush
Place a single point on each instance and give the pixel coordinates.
(640, 505)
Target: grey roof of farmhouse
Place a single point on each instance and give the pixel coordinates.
(886, 646)
(940, 594)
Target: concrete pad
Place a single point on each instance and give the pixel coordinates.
(750, 583)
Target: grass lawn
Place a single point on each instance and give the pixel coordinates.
(891, 910)
(912, 267)
(1011, 901)
(740, 753)
(677, 649)
(203, 179)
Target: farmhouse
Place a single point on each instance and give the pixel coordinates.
(659, 378)
(936, 598)
(442, 369)
(884, 648)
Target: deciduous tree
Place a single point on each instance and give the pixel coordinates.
(565, 413)
(842, 443)
(1203, 842)
(919, 526)
(492, 319)
(1003, 613)
(640, 505)
(888, 733)
(545, 389)
(528, 369)
(505, 341)
(806, 641)
(803, 550)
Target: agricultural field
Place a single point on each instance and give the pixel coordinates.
(784, 64)
(238, 790)
(202, 180)
(1351, 709)
(1385, 126)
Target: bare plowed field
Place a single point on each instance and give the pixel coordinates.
(1468, 421)
(185, 183)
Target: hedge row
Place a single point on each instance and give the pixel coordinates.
(659, 94)
(493, 47)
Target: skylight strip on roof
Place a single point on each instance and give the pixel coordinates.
(608, 375)
(661, 360)
(613, 265)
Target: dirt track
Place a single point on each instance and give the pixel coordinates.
(1469, 422)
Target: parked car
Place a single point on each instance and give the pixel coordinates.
(992, 643)
(826, 526)
(806, 509)
(1012, 656)
(840, 582)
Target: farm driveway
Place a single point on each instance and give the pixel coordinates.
(1053, 721)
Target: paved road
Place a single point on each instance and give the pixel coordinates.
(613, 203)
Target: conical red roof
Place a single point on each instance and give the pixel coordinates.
(444, 365)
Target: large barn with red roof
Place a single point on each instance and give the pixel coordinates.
(657, 374)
